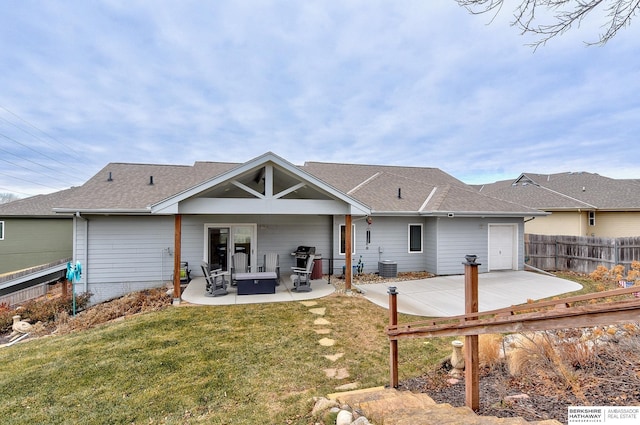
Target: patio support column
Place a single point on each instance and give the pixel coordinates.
(471, 357)
(347, 252)
(176, 257)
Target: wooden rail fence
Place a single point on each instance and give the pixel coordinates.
(574, 312)
(582, 254)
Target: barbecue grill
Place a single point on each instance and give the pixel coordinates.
(302, 254)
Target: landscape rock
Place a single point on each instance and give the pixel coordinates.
(516, 397)
(344, 418)
(322, 404)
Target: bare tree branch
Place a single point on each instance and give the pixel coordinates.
(565, 15)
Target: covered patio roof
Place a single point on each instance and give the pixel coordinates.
(267, 184)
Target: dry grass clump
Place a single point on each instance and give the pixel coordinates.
(575, 358)
(527, 352)
(490, 349)
(130, 304)
(44, 310)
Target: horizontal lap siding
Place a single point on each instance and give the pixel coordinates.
(32, 242)
(284, 234)
(615, 225)
(279, 234)
(431, 245)
(458, 237)
(559, 223)
(128, 254)
(388, 233)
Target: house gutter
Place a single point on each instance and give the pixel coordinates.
(122, 211)
(451, 214)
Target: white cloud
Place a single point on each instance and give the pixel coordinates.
(407, 82)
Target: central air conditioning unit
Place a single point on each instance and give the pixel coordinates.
(387, 268)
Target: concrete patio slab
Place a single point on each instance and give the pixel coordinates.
(194, 293)
(444, 295)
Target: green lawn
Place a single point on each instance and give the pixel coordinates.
(245, 364)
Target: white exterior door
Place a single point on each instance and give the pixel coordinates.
(502, 247)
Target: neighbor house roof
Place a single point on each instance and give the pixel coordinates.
(567, 191)
(36, 206)
(136, 188)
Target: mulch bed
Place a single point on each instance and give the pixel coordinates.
(539, 396)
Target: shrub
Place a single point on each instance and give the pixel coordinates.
(43, 310)
(616, 273)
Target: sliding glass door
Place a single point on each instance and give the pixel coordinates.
(225, 240)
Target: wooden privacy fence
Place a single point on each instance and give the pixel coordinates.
(582, 254)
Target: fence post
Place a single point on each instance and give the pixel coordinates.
(393, 349)
(471, 356)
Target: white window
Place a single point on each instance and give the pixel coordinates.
(1, 230)
(343, 247)
(415, 238)
(592, 218)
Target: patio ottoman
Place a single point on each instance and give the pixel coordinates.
(256, 283)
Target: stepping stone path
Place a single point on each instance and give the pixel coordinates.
(322, 327)
(388, 405)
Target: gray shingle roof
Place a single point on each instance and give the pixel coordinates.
(569, 190)
(129, 188)
(421, 189)
(385, 189)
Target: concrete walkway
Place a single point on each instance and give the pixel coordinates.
(194, 293)
(444, 295)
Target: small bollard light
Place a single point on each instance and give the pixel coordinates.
(471, 259)
(392, 290)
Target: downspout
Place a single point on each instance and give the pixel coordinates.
(86, 249)
(332, 240)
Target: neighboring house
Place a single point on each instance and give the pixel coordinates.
(32, 234)
(129, 218)
(580, 203)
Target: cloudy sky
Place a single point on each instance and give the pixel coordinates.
(403, 82)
